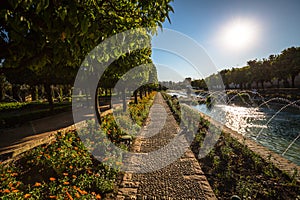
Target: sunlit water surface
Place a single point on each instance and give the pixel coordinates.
(255, 123)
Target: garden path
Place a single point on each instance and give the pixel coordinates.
(182, 179)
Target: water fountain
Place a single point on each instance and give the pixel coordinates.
(255, 116)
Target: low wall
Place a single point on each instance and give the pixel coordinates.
(14, 152)
(269, 156)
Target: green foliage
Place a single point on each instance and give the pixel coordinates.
(275, 68)
(11, 106)
(51, 38)
(233, 169)
(174, 106)
(62, 169)
(45, 42)
(65, 169)
(139, 112)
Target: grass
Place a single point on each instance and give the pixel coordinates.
(65, 169)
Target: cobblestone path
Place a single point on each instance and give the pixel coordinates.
(182, 179)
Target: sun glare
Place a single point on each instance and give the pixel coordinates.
(239, 34)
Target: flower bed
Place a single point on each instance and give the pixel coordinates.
(232, 169)
(65, 169)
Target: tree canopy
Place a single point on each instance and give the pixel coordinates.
(275, 68)
(49, 39)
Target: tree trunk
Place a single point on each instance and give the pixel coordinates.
(86, 92)
(262, 84)
(60, 89)
(293, 81)
(145, 91)
(135, 97)
(97, 107)
(286, 83)
(278, 81)
(2, 92)
(124, 100)
(48, 90)
(241, 86)
(16, 92)
(34, 93)
(141, 93)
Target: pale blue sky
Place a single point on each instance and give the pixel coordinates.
(274, 24)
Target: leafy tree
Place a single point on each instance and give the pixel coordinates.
(51, 38)
(225, 74)
(289, 60)
(257, 70)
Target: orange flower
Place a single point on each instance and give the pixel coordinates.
(105, 159)
(52, 197)
(65, 174)
(66, 183)
(71, 167)
(82, 192)
(119, 163)
(14, 174)
(46, 155)
(52, 179)
(18, 184)
(74, 176)
(6, 191)
(37, 184)
(69, 196)
(98, 196)
(15, 191)
(27, 196)
(77, 195)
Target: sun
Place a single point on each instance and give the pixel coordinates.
(239, 34)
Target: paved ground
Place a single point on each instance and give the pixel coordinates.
(17, 140)
(182, 179)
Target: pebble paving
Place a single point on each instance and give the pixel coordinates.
(182, 179)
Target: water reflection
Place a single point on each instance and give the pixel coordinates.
(276, 130)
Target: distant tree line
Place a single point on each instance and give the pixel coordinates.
(277, 70)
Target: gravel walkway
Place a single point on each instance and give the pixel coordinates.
(182, 179)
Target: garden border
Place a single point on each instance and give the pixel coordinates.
(16, 151)
(277, 160)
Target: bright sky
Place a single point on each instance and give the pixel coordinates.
(231, 32)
